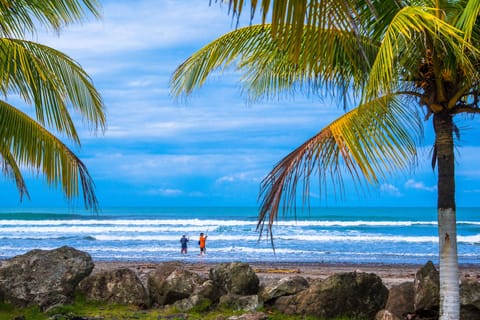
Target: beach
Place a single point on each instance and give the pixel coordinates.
(391, 274)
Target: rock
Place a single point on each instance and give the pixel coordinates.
(176, 316)
(470, 300)
(156, 278)
(195, 301)
(236, 277)
(46, 278)
(250, 316)
(401, 299)
(164, 269)
(355, 295)
(120, 286)
(208, 290)
(470, 293)
(427, 291)
(284, 287)
(178, 285)
(386, 315)
(240, 303)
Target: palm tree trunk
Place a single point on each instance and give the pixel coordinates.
(448, 264)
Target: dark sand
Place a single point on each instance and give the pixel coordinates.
(391, 274)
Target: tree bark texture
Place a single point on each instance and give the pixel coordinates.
(447, 225)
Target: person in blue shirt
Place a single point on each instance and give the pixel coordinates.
(184, 241)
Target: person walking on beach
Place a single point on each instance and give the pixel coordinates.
(184, 240)
(202, 243)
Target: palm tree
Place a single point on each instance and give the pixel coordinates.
(54, 85)
(392, 60)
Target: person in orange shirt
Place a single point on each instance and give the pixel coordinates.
(202, 243)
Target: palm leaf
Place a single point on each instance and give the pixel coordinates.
(468, 18)
(368, 143)
(11, 170)
(18, 17)
(24, 142)
(52, 82)
(267, 70)
(413, 23)
(290, 18)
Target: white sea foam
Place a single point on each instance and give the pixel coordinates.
(357, 238)
(145, 235)
(213, 223)
(199, 224)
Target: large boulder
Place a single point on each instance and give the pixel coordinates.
(237, 302)
(385, 314)
(156, 279)
(470, 300)
(236, 278)
(470, 293)
(427, 291)
(201, 299)
(120, 286)
(284, 287)
(401, 299)
(356, 295)
(46, 278)
(179, 284)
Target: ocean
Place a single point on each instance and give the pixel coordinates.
(326, 235)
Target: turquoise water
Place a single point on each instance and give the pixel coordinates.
(357, 235)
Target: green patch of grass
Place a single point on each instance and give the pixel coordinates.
(10, 312)
(94, 309)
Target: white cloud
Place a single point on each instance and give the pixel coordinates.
(412, 184)
(166, 192)
(150, 168)
(390, 190)
(242, 176)
(472, 191)
(132, 26)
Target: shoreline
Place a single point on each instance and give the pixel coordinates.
(391, 274)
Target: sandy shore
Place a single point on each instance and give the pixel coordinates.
(391, 274)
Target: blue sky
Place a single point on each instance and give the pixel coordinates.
(213, 149)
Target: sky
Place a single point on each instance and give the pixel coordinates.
(214, 148)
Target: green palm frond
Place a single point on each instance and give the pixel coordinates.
(52, 82)
(24, 142)
(290, 18)
(468, 18)
(397, 45)
(18, 17)
(367, 143)
(11, 170)
(267, 69)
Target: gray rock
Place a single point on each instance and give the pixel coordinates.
(284, 287)
(195, 301)
(355, 295)
(178, 285)
(236, 277)
(401, 299)
(386, 315)
(470, 293)
(120, 286)
(427, 291)
(250, 316)
(156, 279)
(240, 303)
(46, 278)
(470, 300)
